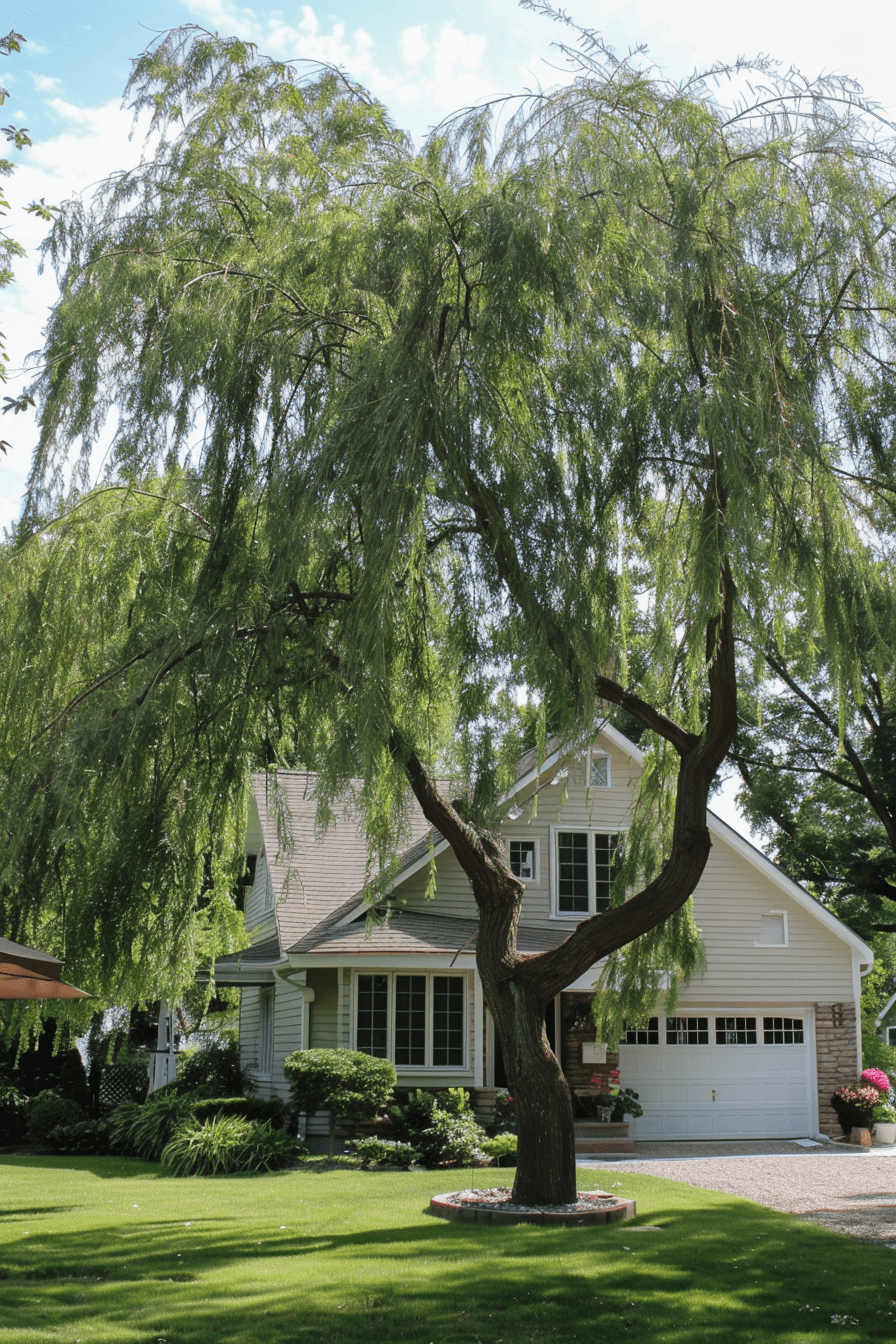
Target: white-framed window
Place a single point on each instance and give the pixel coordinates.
(416, 1019)
(891, 1035)
(598, 770)
(266, 1033)
(687, 1031)
(649, 1035)
(782, 1031)
(772, 929)
(736, 1031)
(585, 863)
(522, 855)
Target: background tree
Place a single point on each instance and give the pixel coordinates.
(408, 435)
(817, 758)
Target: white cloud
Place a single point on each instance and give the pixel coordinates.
(46, 83)
(413, 45)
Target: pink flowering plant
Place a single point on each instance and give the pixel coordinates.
(854, 1105)
(876, 1078)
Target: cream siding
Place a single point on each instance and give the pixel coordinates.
(250, 1019)
(730, 900)
(323, 1029)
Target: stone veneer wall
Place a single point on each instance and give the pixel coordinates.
(572, 1039)
(837, 1054)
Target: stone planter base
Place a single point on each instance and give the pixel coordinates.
(610, 1210)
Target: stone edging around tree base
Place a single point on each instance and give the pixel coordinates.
(609, 1210)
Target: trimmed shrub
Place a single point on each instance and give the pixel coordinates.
(88, 1138)
(345, 1082)
(214, 1070)
(501, 1149)
(143, 1131)
(227, 1144)
(383, 1152)
(48, 1112)
(270, 1110)
(13, 1114)
(451, 1141)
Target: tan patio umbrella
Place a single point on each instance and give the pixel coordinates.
(26, 973)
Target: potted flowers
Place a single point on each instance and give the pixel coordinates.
(855, 1105)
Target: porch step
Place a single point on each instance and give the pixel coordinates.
(596, 1147)
(594, 1137)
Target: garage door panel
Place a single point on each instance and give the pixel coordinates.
(720, 1091)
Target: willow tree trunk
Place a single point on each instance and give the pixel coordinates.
(546, 1156)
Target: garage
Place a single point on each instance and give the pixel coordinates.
(726, 1073)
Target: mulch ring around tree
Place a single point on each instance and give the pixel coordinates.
(592, 1207)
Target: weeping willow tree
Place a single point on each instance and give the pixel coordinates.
(553, 409)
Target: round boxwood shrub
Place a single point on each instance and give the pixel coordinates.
(48, 1112)
(226, 1144)
(451, 1141)
(348, 1084)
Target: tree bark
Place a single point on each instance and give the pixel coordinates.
(518, 988)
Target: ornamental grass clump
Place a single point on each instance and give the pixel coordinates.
(227, 1144)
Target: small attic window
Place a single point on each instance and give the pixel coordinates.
(599, 771)
(772, 930)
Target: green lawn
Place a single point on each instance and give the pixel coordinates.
(108, 1249)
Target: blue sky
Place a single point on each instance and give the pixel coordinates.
(424, 61)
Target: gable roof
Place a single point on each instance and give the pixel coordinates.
(319, 876)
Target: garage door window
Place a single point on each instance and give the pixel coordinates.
(687, 1031)
(782, 1030)
(649, 1035)
(736, 1031)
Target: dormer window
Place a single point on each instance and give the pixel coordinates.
(599, 770)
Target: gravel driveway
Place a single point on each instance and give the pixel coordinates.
(850, 1190)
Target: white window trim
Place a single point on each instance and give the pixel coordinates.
(428, 1066)
(782, 914)
(593, 755)
(569, 829)
(528, 840)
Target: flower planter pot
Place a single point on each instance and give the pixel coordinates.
(884, 1133)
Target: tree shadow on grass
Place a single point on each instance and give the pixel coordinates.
(730, 1269)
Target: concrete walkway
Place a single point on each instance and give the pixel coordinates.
(687, 1150)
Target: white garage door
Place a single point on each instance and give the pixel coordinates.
(724, 1073)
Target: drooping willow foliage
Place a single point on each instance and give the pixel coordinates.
(411, 435)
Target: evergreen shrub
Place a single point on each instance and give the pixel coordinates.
(13, 1114)
(48, 1112)
(383, 1152)
(215, 1070)
(260, 1109)
(88, 1138)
